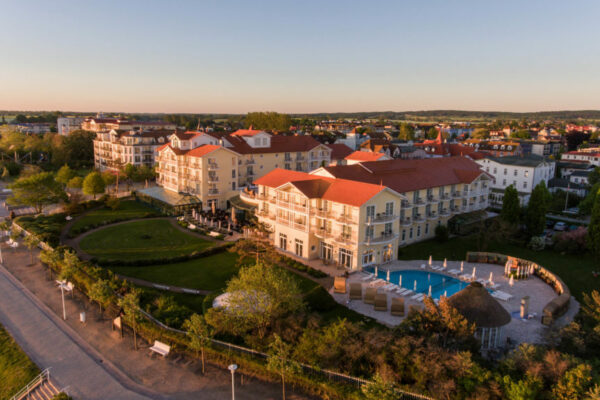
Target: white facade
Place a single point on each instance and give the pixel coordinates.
(66, 125)
(524, 173)
(590, 157)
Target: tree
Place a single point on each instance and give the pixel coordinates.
(130, 303)
(93, 184)
(199, 334)
(379, 389)
(594, 176)
(481, 133)
(537, 208)
(511, 208)
(109, 178)
(130, 173)
(268, 120)
(574, 383)
(432, 133)
(279, 360)
(146, 173)
(31, 242)
(100, 292)
(36, 191)
(65, 174)
(521, 134)
(75, 183)
(258, 296)
(594, 228)
(76, 150)
(406, 131)
(5, 173)
(586, 205)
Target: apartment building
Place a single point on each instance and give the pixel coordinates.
(586, 156)
(66, 125)
(127, 147)
(242, 157)
(524, 173)
(103, 124)
(357, 215)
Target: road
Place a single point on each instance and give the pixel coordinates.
(50, 343)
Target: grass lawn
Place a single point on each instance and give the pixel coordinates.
(128, 209)
(16, 369)
(575, 270)
(207, 273)
(142, 240)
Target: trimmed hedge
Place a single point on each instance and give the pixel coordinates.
(290, 262)
(158, 261)
(47, 228)
(318, 299)
(76, 232)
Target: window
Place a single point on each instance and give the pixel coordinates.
(515, 172)
(505, 171)
(345, 257)
(387, 229)
(369, 232)
(299, 247)
(389, 208)
(232, 185)
(283, 241)
(524, 185)
(298, 166)
(495, 170)
(419, 231)
(503, 182)
(288, 166)
(368, 257)
(233, 173)
(370, 212)
(403, 235)
(526, 172)
(426, 229)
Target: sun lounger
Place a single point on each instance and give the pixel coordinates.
(401, 291)
(339, 284)
(494, 285)
(415, 296)
(370, 295)
(436, 268)
(381, 302)
(466, 277)
(355, 291)
(454, 271)
(367, 278)
(407, 292)
(397, 308)
(500, 295)
(422, 266)
(482, 281)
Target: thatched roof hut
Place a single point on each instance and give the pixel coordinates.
(478, 306)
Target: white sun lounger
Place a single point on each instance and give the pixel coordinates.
(482, 281)
(401, 291)
(502, 295)
(493, 285)
(454, 271)
(416, 296)
(367, 278)
(422, 266)
(436, 301)
(408, 292)
(436, 268)
(466, 277)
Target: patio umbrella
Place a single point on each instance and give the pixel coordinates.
(511, 281)
(415, 286)
(430, 261)
(491, 276)
(429, 294)
(213, 208)
(233, 218)
(376, 270)
(445, 293)
(219, 224)
(462, 266)
(387, 278)
(445, 263)
(400, 281)
(229, 226)
(473, 275)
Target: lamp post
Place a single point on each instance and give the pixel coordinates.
(63, 286)
(232, 368)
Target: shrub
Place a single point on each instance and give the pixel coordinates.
(167, 260)
(573, 242)
(319, 300)
(441, 233)
(537, 243)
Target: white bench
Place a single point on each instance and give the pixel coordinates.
(161, 348)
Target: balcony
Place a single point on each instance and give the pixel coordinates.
(250, 162)
(381, 219)
(419, 218)
(300, 207)
(445, 196)
(406, 204)
(213, 192)
(273, 200)
(300, 158)
(322, 233)
(345, 239)
(299, 226)
(432, 215)
(385, 237)
(346, 219)
(212, 179)
(406, 222)
(250, 173)
(445, 212)
(419, 201)
(321, 212)
(213, 166)
(432, 199)
(456, 194)
(248, 197)
(283, 203)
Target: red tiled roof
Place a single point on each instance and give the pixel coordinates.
(313, 186)
(583, 153)
(414, 174)
(279, 144)
(339, 151)
(364, 156)
(247, 132)
(202, 150)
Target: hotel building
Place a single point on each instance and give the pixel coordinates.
(215, 167)
(127, 147)
(358, 215)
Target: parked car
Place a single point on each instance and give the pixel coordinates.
(560, 226)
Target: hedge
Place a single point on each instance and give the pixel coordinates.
(167, 260)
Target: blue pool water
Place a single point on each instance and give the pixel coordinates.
(440, 284)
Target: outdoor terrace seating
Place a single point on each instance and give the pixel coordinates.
(397, 308)
(355, 291)
(339, 284)
(370, 295)
(381, 302)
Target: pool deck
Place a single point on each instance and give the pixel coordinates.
(518, 330)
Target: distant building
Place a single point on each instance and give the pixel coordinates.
(523, 173)
(66, 125)
(103, 124)
(127, 147)
(339, 151)
(363, 156)
(37, 128)
(353, 139)
(585, 155)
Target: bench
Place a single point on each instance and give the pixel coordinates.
(161, 348)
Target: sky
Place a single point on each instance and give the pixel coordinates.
(299, 56)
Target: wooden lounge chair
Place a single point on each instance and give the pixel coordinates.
(381, 302)
(339, 284)
(397, 308)
(370, 295)
(355, 291)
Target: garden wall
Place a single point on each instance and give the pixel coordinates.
(554, 308)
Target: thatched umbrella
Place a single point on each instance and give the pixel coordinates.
(478, 306)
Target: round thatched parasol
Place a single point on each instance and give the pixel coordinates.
(478, 306)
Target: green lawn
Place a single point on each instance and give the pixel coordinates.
(128, 209)
(575, 270)
(142, 240)
(207, 273)
(16, 369)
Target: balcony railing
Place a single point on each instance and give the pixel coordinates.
(456, 194)
(346, 218)
(418, 218)
(445, 212)
(432, 199)
(406, 222)
(445, 196)
(432, 215)
(300, 227)
(406, 204)
(322, 232)
(381, 218)
(250, 162)
(420, 201)
(345, 239)
(385, 237)
(213, 166)
(212, 179)
(213, 192)
(300, 207)
(321, 212)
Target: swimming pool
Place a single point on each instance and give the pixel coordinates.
(422, 280)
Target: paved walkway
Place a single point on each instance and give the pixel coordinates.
(50, 343)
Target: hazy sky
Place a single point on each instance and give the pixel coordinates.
(299, 56)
